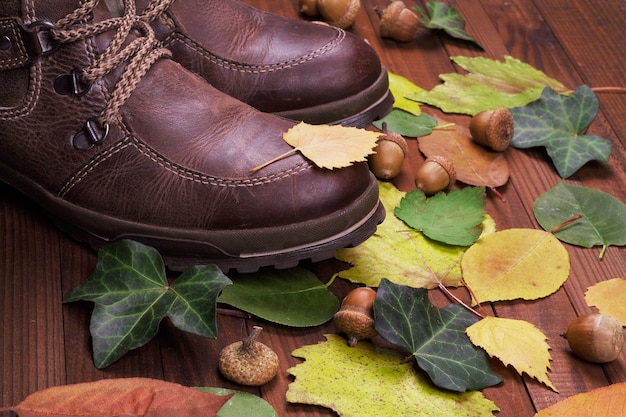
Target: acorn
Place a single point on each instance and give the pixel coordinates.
(436, 174)
(339, 13)
(355, 318)
(595, 337)
(399, 23)
(493, 128)
(308, 8)
(248, 362)
(391, 149)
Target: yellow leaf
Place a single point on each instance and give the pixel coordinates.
(515, 263)
(516, 343)
(601, 402)
(401, 87)
(365, 381)
(609, 297)
(404, 256)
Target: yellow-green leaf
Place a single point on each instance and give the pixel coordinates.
(365, 381)
(601, 402)
(515, 263)
(609, 297)
(402, 255)
(401, 87)
(515, 342)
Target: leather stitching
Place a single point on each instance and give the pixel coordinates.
(22, 56)
(184, 173)
(253, 68)
(31, 98)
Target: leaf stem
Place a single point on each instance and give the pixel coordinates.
(444, 126)
(609, 89)
(565, 223)
(278, 158)
(459, 301)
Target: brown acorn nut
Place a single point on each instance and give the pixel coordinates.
(493, 128)
(248, 362)
(339, 13)
(391, 149)
(308, 8)
(436, 174)
(355, 318)
(399, 23)
(595, 337)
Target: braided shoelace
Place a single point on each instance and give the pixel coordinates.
(154, 9)
(140, 53)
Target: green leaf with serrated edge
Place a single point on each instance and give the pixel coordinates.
(241, 404)
(443, 16)
(406, 124)
(435, 336)
(557, 123)
(454, 218)
(366, 380)
(293, 297)
(603, 220)
(131, 295)
(488, 85)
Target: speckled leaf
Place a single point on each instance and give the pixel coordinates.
(366, 381)
(406, 124)
(515, 263)
(473, 164)
(403, 255)
(435, 336)
(132, 296)
(603, 219)
(443, 16)
(292, 297)
(454, 218)
(515, 342)
(609, 297)
(488, 85)
(557, 122)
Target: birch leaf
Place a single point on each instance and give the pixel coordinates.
(558, 123)
(473, 164)
(365, 380)
(488, 85)
(402, 255)
(515, 342)
(609, 297)
(601, 402)
(515, 263)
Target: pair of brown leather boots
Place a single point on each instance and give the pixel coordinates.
(140, 119)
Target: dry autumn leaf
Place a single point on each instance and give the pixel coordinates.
(515, 342)
(515, 263)
(609, 297)
(328, 146)
(601, 402)
(121, 397)
(474, 164)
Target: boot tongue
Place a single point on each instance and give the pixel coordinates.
(116, 7)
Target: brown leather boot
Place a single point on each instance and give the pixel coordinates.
(294, 68)
(115, 141)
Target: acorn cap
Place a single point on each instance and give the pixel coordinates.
(399, 23)
(396, 138)
(445, 164)
(493, 128)
(339, 13)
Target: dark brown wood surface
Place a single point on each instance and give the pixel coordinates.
(45, 343)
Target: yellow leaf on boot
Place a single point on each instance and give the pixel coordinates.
(515, 342)
(609, 297)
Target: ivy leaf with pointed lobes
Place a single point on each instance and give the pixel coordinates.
(454, 218)
(515, 263)
(435, 336)
(132, 295)
(558, 123)
(402, 255)
(515, 342)
(603, 220)
(488, 85)
(365, 380)
(443, 16)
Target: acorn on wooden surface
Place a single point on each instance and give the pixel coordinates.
(399, 23)
(595, 337)
(493, 128)
(436, 174)
(391, 149)
(339, 13)
(355, 318)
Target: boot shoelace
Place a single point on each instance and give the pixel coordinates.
(140, 54)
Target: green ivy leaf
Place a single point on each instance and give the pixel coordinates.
(603, 219)
(406, 124)
(557, 122)
(131, 295)
(241, 404)
(436, 337)
(293, 297)
(443, 16)
(454, 218)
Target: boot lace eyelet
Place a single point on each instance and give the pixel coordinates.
(93, 133)
(71, 84)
